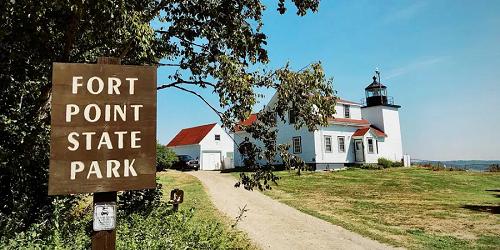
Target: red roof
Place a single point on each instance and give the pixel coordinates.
(247, 122)
(349, 121)
(378, 131)
(363, 131)
(190, 136)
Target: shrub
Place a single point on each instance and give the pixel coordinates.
(60, 231)
(385, 162)
(456, 168)
(165, 157)
(140, 201)
(24, 161)
(371, 166)
(161, 228)
(494, 168)
(397, 164)
(164, 229)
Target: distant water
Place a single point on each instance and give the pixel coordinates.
(474, 165)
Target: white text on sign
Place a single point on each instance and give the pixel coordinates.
(109, 113)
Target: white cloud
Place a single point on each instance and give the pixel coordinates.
(413, 66)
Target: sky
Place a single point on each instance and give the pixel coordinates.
(439, 59)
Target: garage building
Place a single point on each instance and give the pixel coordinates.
(209, 143)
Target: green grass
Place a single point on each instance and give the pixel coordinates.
(409, 207)
(196, 197)
(198, 224)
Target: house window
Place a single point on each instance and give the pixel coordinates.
(328, 144)
(341, 141)
(217, 137)
(370, 146)
(297, 145)
(347, 111)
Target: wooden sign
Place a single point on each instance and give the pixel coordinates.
(103, 120)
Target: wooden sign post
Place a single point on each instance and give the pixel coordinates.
(105, 239)
(103, 134)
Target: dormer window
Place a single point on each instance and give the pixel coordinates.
(217, 137)
(347, 111)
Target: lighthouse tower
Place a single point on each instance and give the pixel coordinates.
(382, 113)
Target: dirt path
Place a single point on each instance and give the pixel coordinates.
(274, 225)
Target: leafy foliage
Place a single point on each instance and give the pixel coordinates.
(58, 231)
(382, 163)
(161, 228)
(385, 162)
(140, 201)
(32, 36)
(209, 44)
(146, 200)
(310, 96)
(165, 157)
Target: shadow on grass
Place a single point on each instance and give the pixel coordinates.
(484, 208)
(253, 169)
(496, 191)
(238, 169)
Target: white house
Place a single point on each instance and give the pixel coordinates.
(357, 134)
(208, 143)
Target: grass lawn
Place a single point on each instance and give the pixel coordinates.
(196, 198)
(409, 207)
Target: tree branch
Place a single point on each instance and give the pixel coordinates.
(174, 84)
(182, 39)
(168, 64)
(69, 35)
(180, 81)
(202, 98)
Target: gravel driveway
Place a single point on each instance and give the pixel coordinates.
(274, 225)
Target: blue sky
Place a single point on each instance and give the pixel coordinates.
(440, 60)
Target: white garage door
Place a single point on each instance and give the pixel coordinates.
(211, 161)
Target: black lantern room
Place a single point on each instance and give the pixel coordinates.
(376, 93)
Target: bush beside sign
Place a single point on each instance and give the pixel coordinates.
(103, 120)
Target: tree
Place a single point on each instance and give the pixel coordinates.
(165, 157)
(213, 44)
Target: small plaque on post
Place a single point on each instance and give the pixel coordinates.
(104, 216)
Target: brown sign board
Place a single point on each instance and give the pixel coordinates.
(103, 128)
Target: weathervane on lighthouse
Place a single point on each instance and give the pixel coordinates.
(377, 72)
